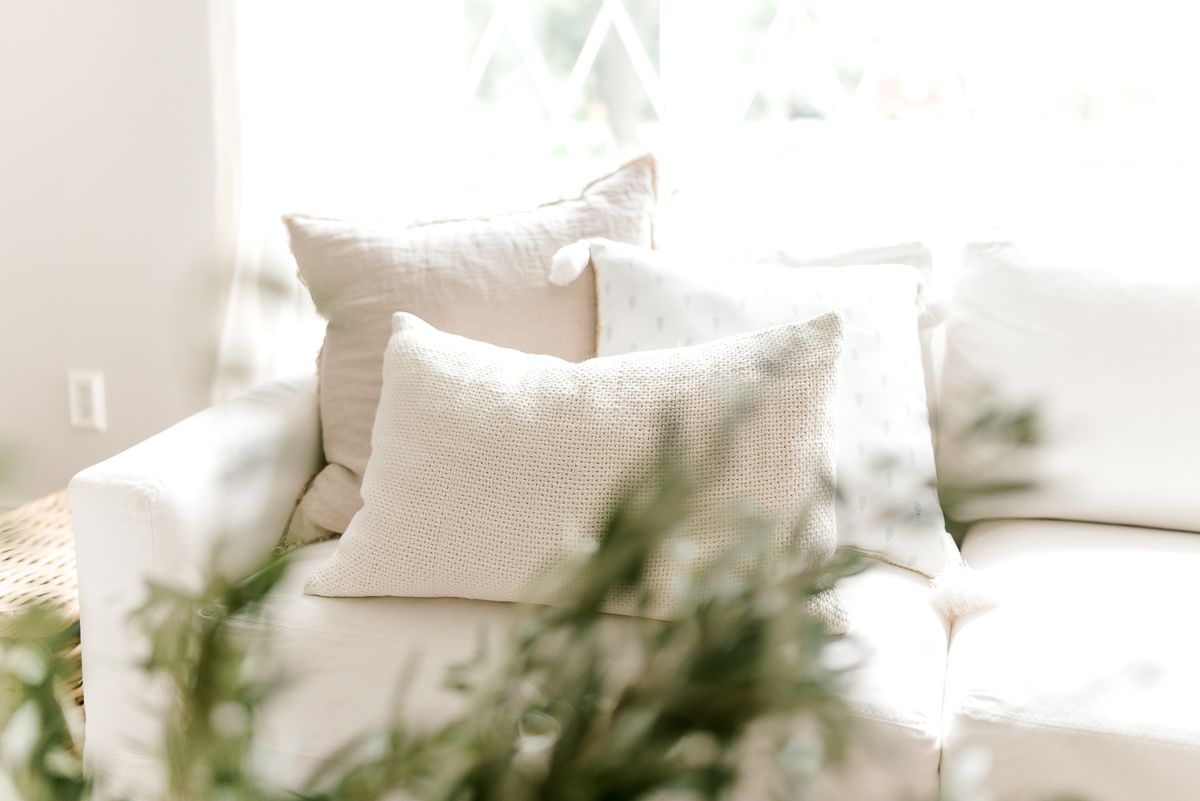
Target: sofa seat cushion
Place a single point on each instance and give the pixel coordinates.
(347, 660)
(1083, 681)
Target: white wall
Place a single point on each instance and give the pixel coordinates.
(107, 225)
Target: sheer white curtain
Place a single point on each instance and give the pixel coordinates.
(324, 108)
(937, 113)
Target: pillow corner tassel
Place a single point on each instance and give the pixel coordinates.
(569, 262)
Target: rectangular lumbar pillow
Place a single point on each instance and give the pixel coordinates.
(490, 465)
(885, 466)
(481, 278)
(1101, 341)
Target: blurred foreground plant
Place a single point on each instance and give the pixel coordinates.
(984, 445)
(584, 706)
(742, 690)
(41, 745)
(574, 705)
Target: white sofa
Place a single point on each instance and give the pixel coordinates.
(1082, 681)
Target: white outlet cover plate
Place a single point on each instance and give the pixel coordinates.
(85, 399)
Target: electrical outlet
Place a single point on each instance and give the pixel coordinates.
(85, 399)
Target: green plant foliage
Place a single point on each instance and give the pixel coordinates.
(744, 685)
(996, 432)
(216, 681)
(555, 717)
(40, 748)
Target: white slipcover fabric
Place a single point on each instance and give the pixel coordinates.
(885, 466)
(1083, 681)
(220, 483)
(347, 656)
(1107, 351)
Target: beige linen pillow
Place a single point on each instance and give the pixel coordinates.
(489, 465)
(482, 278)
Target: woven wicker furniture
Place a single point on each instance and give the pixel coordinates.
(37, 565)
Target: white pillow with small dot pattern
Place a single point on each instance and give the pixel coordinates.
(888, 506)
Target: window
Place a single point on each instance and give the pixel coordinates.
(368, 96)
(934, 117)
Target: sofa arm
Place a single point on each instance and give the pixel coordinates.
(220, 484)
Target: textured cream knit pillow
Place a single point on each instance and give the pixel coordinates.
(482, 278)
(489, 465)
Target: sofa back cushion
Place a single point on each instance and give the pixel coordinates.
(482, 278)
(885, 466)
(1106, 355)
(490, 465)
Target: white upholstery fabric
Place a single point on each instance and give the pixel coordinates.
(1107, 349)
(897, 695)
(885, 466)
(223, 481)
(347, 657)
(1084, 679)
(489, 466)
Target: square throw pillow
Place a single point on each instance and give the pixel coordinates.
(885, 465)
(481, 278)
(490, 465)
(1101, 341)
